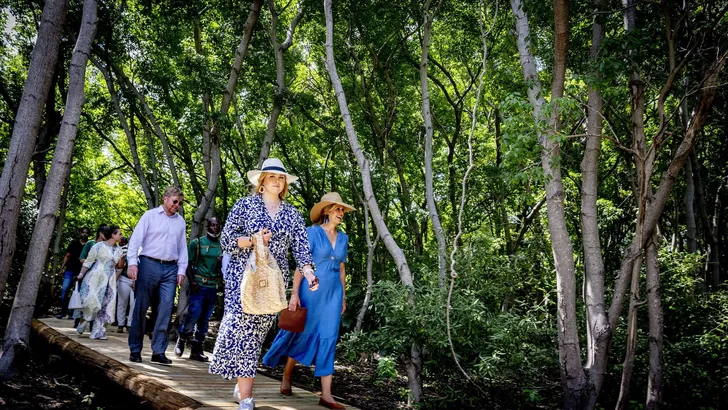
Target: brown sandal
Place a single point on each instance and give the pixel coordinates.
(330, 405)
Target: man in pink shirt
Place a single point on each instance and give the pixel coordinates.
(157, 262)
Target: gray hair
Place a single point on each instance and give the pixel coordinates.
(173, 191)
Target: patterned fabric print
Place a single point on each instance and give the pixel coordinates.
(241, 336)
(98, 289)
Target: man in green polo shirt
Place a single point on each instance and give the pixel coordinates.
(204, 275)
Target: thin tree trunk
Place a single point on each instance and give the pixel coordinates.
(689, 201)
(371, 247)
(208, 199)
(278, 49)
(17, 334)
(25, 129)
(657, 318)
(709, 228)
(55, 261)
(46, 138)
(130, 137)
(414, 361)
(152, 119)
(153, 165)
(574, 380)
(597, 328)
(427, 116)
(628, 364)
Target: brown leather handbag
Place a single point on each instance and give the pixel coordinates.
(292, 321)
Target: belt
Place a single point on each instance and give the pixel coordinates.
(159, 260)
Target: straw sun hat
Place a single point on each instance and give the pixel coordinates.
(272, 165)
(328, 199)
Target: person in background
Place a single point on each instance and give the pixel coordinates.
(98, 291)
(203, 273)
(82, 258)
(70, 268)
(241, 335)
(157, 262)
(124, 292)
(87, 246)
(317, 343)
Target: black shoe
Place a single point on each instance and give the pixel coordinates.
(179, 348)
(120, 329)
(59, 316)
(135, 357)
(161, 359)
(199, 356)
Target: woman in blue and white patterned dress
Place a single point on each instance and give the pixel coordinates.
(241, 335)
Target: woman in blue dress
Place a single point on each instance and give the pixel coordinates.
(241, 335)
(317, 343)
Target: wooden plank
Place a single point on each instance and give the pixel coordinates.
(186, 378)
(146, 388)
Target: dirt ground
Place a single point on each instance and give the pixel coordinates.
(49, 382)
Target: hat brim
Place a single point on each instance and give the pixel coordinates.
(319, 207)
(255, 174)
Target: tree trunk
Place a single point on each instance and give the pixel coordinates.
(413, 363)
(597, 328)
(25, 129)
(656, 318)
(709, 227)
(208, 198)
(46, 138)
(628, 364)
(278, 49)
(131, 138)
(689, 201)
(153, 165)
(371, 247)
(427, 116)
(573, 377)
(55, 261)
(126, 82)
(17, 334)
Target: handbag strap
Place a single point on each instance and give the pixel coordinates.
(259, 248)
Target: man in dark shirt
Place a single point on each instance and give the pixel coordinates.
(70, 268)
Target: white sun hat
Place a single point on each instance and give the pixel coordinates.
(272, 165)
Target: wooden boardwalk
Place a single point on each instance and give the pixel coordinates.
(189, 378)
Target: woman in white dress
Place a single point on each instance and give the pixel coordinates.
(98, 290)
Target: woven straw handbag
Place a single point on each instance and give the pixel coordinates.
(263, 291)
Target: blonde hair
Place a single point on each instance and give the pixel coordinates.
(262, 177)
(173, 191)
(324, 214)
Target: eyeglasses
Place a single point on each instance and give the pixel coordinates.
(175, 202)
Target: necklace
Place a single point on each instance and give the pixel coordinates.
(272, 208)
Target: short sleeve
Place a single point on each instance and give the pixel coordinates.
(86, 250)
(93, 254)
(192, 251)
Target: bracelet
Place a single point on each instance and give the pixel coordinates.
(308, 270)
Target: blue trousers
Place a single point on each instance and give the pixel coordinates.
(154, 278)
(201, 305)
(65, 294)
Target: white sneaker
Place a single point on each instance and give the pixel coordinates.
(247, 404)
(236, 393)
